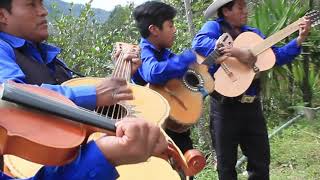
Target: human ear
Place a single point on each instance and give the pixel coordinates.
(154, 30)
(3, 16)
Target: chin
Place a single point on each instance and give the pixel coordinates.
(170, 45)
(42, 37)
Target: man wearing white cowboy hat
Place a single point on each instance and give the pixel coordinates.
(234, 122)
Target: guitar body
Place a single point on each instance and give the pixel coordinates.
(242, 75)
(184, 96)
(147, 104)
(154, 169)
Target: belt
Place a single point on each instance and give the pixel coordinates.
(242, 98)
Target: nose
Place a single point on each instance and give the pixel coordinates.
(174, 29)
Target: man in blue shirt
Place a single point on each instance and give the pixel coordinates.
(159, 65)
(233, 122)
(135, 142)
(25, 58)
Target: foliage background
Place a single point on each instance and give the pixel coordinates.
(87, 45)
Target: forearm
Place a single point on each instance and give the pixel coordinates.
(287, 53)
(203, 44)
(83, 96)
(205, 40)
(155, 72)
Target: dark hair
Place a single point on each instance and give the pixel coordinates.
(152, 13)
(229, 6)
(6, 4)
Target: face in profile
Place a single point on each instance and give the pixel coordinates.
(238, 15)
(167, 34)
(27, 20)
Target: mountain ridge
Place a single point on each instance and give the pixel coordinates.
(65, 7)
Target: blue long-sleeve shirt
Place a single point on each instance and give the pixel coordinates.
(160, 66)
(205, 40)
(90, 164)
(84, 96)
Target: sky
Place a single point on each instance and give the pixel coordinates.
(106, 4)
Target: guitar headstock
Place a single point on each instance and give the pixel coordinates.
(225, 40)
(121, 48)
(314, 17)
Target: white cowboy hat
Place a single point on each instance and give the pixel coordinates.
(213, 8)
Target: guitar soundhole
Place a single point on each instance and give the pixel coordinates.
(192, 80)
(115, 112)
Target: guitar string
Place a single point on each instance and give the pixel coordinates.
(107, 109)
(117, 73)
(122, 70)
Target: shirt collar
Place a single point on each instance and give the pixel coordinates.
(146, 43)
(17, 42)
(14, 41)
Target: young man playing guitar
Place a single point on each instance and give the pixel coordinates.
(159, 65)
(24, 58)
(239, 120)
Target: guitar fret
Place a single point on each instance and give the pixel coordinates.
(212, 57)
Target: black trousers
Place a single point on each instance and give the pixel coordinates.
(182, 140)
(234, 123)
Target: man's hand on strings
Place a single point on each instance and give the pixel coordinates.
(132, 55)
(112, 90)
(245, 56)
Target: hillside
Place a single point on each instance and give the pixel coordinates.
(64, 7)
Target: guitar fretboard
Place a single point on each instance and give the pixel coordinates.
(275, 38)
(211, 58)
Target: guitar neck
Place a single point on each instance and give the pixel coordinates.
(211, 58)
(16, 95)
(122, 68)
(275, 38)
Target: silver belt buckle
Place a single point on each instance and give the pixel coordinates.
(247, 99)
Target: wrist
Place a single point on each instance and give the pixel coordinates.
(300, 40)
(109, 150)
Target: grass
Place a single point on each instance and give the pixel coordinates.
(295, 154)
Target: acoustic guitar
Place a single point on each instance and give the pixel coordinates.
(185, 95)
(235, 77)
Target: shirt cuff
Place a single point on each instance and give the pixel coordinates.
(188, 56)
(95, 164)
(293, 47)
(85, 96)
(90, 164)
